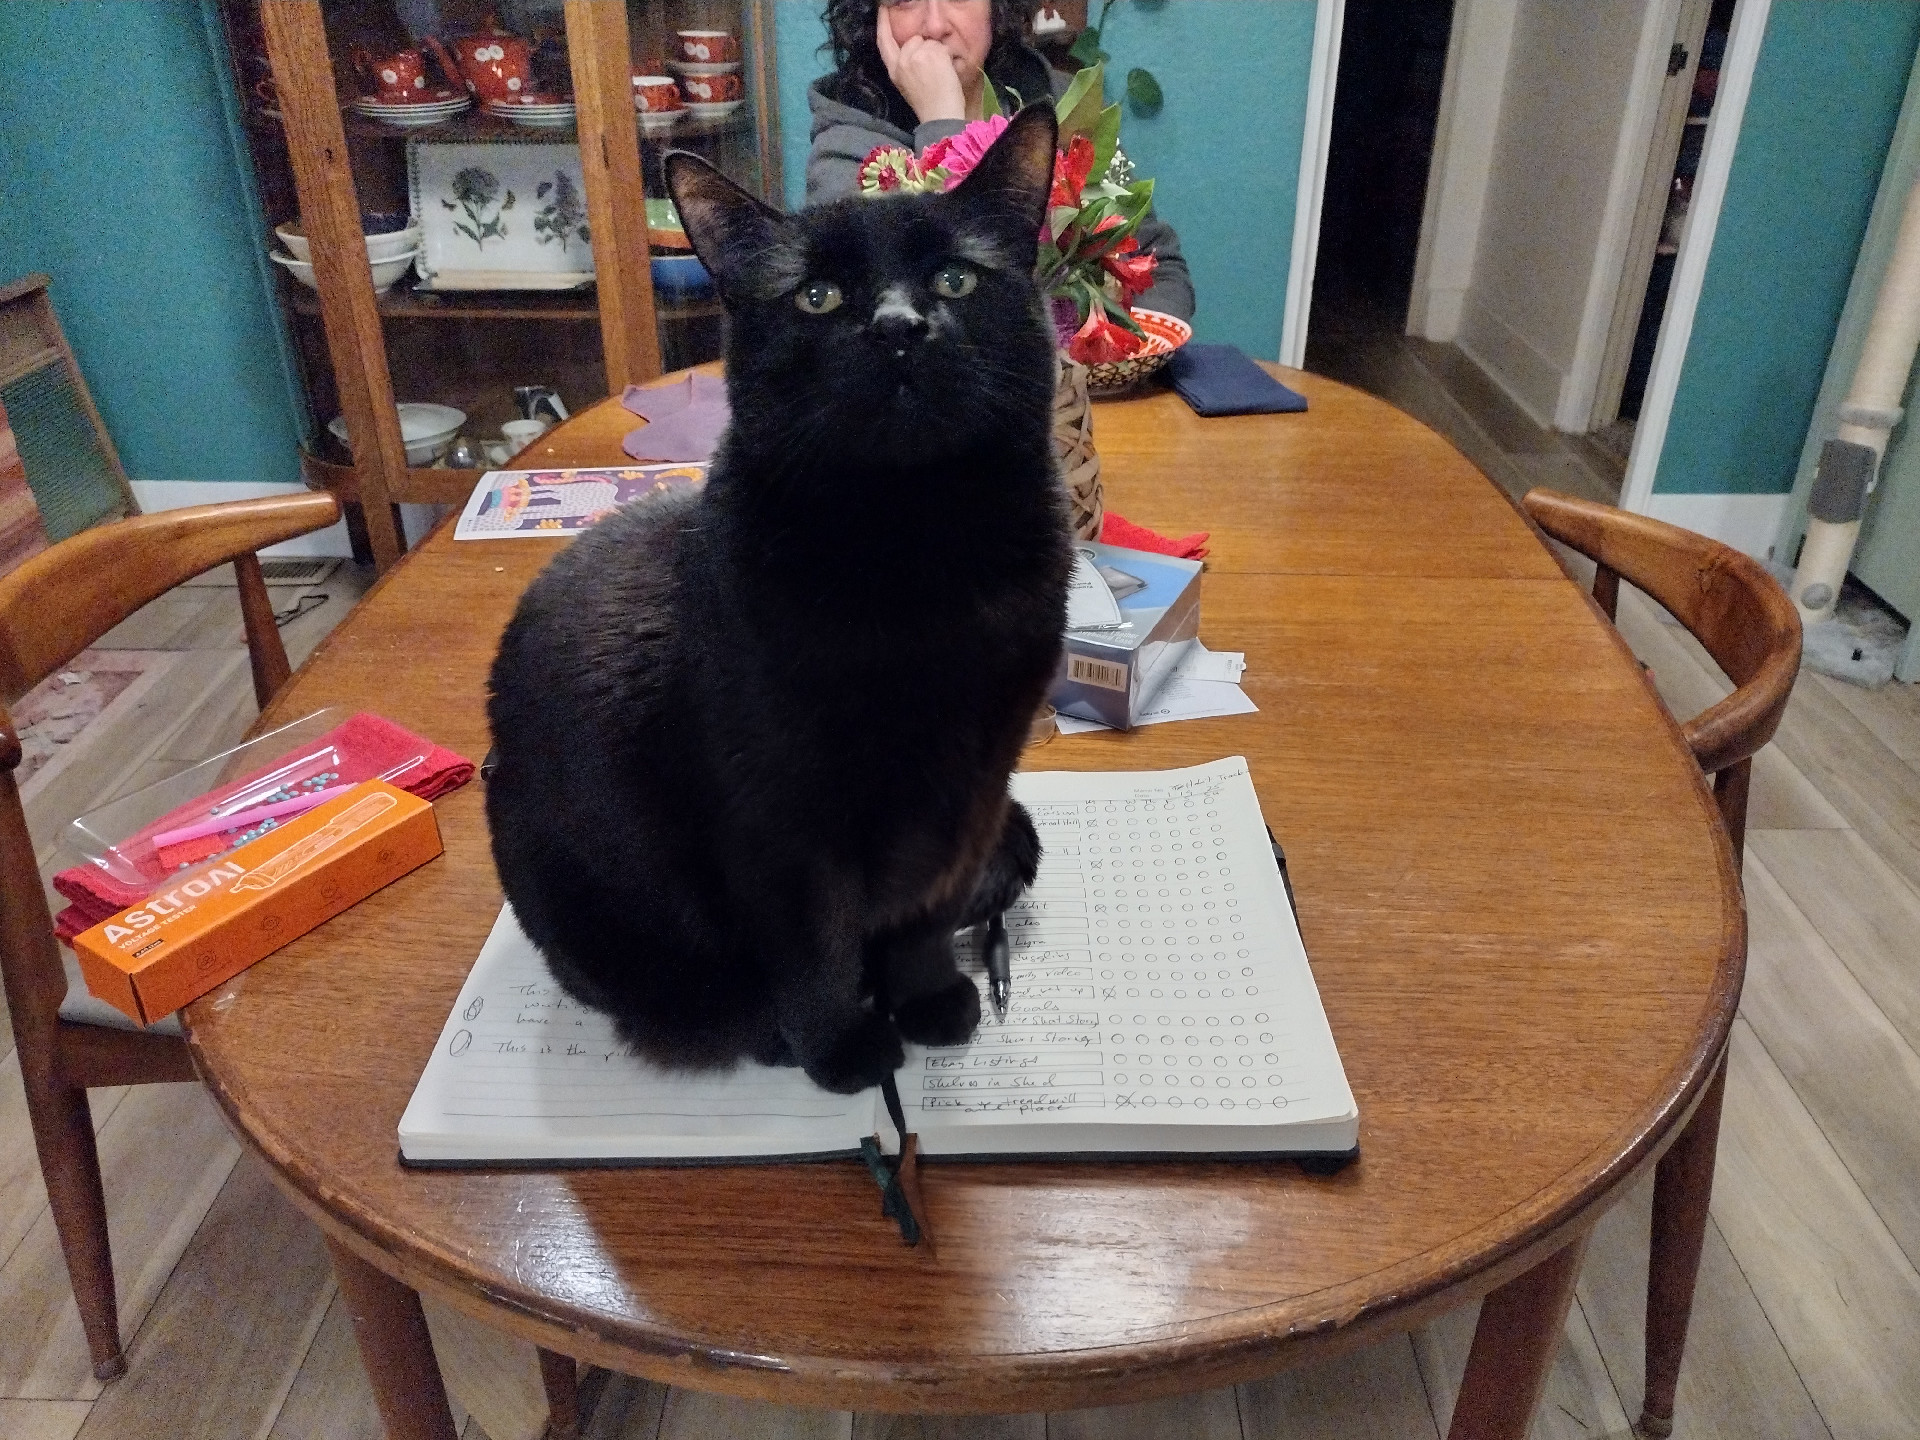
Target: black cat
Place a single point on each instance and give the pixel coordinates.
(753, 740)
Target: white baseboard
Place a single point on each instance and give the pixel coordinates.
(1749, 523)
(155, 495)
(1532, 381)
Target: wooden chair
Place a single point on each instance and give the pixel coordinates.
(1746, 622)
(51, 608)
(77, 476)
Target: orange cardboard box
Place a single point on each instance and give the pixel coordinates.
(179, 943)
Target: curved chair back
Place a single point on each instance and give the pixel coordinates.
(52, 607)
(1727, 602)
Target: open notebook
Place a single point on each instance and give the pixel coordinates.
(1162, 1004)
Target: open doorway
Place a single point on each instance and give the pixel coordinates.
(1393, 61)
(1665, 202)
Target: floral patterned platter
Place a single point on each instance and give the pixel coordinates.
(1165, 334)
(500, 216)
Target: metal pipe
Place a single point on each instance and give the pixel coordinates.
(1850, 462)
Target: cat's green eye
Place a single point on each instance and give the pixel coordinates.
(953, 281)
(817, 297)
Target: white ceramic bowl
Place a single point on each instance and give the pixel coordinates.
(394, 245)
(385, 272)
(427, 430)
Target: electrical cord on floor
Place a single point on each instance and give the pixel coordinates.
(305, 605)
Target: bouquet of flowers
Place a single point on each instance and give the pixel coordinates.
(1091, 267)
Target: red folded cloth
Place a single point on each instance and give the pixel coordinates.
(1118, 530)
(365, 746)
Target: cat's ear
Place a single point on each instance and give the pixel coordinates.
(730, 230)
(1008, 189)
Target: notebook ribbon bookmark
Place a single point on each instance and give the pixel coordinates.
(898, 1176)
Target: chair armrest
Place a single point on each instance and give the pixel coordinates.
(103, 575)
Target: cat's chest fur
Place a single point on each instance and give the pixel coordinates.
(880, 689)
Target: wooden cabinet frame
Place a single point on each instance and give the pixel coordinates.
(599, 49)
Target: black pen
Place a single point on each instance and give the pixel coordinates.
(999, 967)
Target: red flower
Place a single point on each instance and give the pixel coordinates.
(1133, 270)
(1100, 340)
(1105, 227)
(1070, 170)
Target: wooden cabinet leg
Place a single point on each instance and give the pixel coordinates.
(560, 1377)
(395, 1349)
(1682, 1186)
(1513, 1348)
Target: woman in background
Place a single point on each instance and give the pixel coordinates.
(915, 71)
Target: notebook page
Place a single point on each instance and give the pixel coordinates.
(1158, 977)
(523, 1072)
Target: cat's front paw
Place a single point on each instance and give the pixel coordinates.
(946, 1017)
(861, 1058)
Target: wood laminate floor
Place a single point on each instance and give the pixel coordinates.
(1807, 1320)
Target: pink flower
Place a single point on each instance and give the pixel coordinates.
(957, 154)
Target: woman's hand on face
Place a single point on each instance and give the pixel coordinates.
(923, 71)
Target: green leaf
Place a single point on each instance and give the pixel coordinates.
(1086, 47)
(1118, 313)
(990, 102)
(1144, 91)
(1139, 200)
(1079, 109)
(1106, 139)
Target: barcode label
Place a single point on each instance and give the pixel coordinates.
(1104, 673)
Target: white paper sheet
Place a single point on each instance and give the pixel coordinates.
(1204, 684)
(1090, 602)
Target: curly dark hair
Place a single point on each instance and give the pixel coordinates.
(860, 76)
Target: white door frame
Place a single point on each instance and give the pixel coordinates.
(1696, 247)
(1314, 141)
(1633, 151)
(1470, 99)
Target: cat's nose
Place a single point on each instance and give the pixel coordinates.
(897, 324)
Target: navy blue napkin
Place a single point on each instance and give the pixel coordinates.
(1221, 380)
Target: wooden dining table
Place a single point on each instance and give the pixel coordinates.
(1521, 912)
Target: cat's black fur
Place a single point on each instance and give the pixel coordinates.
(753, 740)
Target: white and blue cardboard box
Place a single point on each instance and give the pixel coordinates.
(1130, 616)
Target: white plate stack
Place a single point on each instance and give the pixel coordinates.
(431, 109)
(536, 112)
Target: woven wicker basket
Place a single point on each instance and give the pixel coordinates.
(1073, 447)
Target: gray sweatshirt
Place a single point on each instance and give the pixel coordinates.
(843, 136)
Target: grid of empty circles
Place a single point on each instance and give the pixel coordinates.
(1167, 933)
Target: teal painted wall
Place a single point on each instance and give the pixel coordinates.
(1826, 95)
(136, 202)
(1224, 152)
